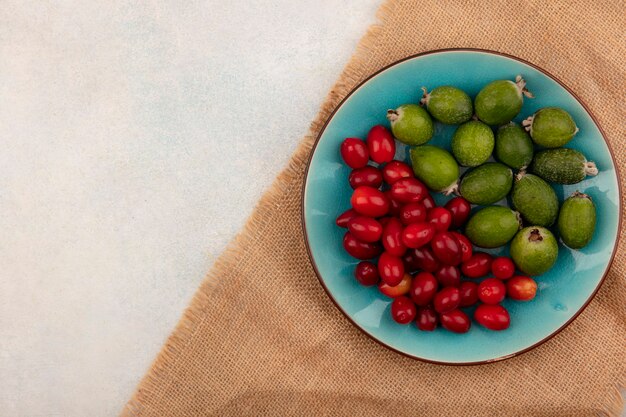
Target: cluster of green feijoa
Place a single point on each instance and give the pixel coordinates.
(533, 248)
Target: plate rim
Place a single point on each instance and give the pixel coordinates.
(305, 181)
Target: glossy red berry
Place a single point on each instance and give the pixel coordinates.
(469, 293)
(503, 267)
(344, 218)
(426, 319)
(367, 273)
(466, 246)
(446, 248)
(360, 250)
(367, 175)
(491, 291)
(455, 321)
(447, 299)
(396, 170)
(492, 316)
(448, 276)
(441, 218)
(477, 266)
(394, 205)
(408, 190)
(425, 259)
(412, 213)
(423, 288)
(429, 202)
(397, 290)
(417, 235)
(369, 202)
(392, 237)
(521, 288)
(354, 152)
(460, 209)
(365, 229)
(380, 144)
(403, 310)
(390, 269)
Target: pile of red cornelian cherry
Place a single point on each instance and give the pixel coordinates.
(421, 254)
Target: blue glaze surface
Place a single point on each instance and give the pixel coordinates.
(563, 291)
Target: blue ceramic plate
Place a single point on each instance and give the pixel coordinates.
(563, 291)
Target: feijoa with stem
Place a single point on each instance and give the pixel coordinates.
(447, 104)
(562, 166)
(551, 127)
(513, 146)
(501, 100)
(472, 143)
(534, 199)
(411, 124)
(577, 220)
(487, 183)
(435, 167)
(534, 250)
(492, 226)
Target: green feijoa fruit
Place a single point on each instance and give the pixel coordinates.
(562, 166)
(449, 105)
(534, 250)
(500, 101)
(492, 226)
(551, 127)
(411, 124)
(534, 199)
(435, 167)
(513, 146)
(577, 220)
(472, 143)
(487, 183)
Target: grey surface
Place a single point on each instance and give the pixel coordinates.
(135, 142)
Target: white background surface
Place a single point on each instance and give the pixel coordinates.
(135, 141)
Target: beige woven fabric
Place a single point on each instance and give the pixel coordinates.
(262, 338)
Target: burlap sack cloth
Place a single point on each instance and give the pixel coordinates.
(262, 338)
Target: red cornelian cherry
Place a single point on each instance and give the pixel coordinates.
(367, 175)
(417, 235)
(477, 266)
(441, 218)
(423, 288)
(503, 267)
(361, 250)
(369, 202)
(408, 190)
(344, 218)
(455, 321)
(392, 237)
(491, 291)
(354, 152)
(390, 268)
(395, 291)
(492, 316)
(366, 273)
(403, 310)
(365, 229)
(469, 293)
(447, 299)
(380, 144)
(466, 246)
(426, 319)
(413, 213)
(396, 170)
(521, 288)
(460, 210)
(446, 248)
